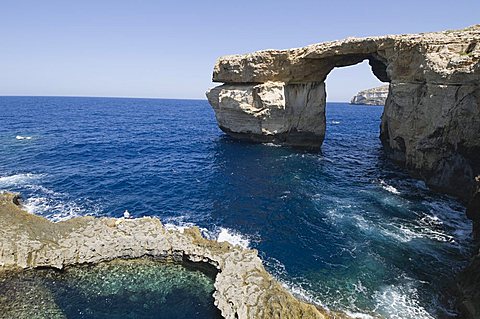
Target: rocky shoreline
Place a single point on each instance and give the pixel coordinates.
(243, 288)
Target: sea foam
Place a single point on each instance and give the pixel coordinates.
(233, 237)
(389, 188)
(19, 179)
(400, 302)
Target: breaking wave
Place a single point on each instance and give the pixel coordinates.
(389, 188)
(46, 202)
(233, 237)
(272, 144)
(18, 180)
(220, 234)
(400, 302)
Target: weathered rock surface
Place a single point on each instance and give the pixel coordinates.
(469, 286)
(374, 96)
(243, 288)
(431, 120)
(291, 114)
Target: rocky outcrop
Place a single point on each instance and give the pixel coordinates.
(430, 123)
(374, 96)
(272, 112)
(431, 119)
(243, 289)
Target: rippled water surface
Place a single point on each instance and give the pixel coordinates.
(344, 228)
(130, 289)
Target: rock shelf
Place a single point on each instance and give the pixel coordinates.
(243, 288)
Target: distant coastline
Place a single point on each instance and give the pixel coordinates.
(373, 96)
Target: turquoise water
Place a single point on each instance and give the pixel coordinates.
(344, 227)
(132, 289)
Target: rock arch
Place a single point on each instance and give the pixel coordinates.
(288, 107)
(431, 120)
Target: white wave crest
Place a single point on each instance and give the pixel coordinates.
(358, 315)
(272, 144)
(19, 137)
(389, 188)
(18, 179)
(335, 122)
(221, 234)
(300, 292)
(234, 238)
(53, 209)
(397, 302)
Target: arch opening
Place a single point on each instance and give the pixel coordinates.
(345, 81)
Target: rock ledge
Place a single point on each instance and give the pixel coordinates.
(243, 288)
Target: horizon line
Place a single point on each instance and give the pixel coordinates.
(126, 97)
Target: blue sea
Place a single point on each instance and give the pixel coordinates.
(344, 228)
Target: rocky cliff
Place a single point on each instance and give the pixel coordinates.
(374, 96)
(243, 289)
(431, 119)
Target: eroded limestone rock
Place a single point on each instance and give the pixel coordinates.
(243, 289)
(434, 130)
(431, 120)
(292, 114)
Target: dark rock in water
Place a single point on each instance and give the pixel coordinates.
(473, 210)
(469, 287)
(374, 96)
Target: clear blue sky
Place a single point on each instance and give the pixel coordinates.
(168, 48)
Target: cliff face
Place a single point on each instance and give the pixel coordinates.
(374, 96)
(469, 286)
(292, 114)
(431, 119)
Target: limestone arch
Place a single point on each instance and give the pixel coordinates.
(286, 105)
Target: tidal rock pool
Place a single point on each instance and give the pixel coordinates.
(119, 289)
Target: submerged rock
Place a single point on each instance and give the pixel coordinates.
(374, 96)
(243, 288)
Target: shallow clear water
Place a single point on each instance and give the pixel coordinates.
(133, 289)
(345, 227)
